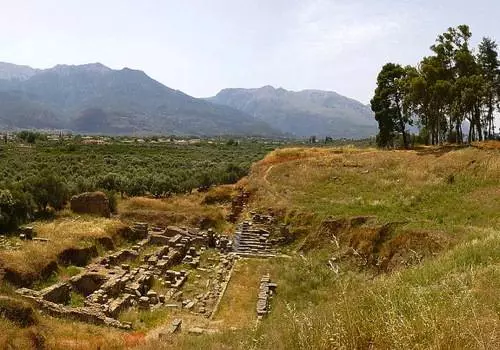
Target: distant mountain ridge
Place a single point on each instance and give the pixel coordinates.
(93, 98)
(303, 113)
(9, 71)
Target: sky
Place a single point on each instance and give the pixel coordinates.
(203, 46)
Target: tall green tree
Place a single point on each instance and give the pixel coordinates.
(490, 70)
(48, 189)
(389, 104)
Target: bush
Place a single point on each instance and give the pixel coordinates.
(48, 189)
(113, 205)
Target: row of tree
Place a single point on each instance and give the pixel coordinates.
(453, 87)
(21, 201)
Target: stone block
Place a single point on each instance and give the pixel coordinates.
(87, 283)
(59, 293)
(158, 239)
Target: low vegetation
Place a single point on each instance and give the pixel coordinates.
(41, 176)
(391, 249)
(33, 260)
(445, 300)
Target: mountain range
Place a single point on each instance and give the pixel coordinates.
(93, 98)
(303, 113)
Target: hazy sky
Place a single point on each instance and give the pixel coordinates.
(202, 46)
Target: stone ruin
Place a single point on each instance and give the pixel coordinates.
(147, 276)
(26, 233)
(266, 291)
(252, 237)
(91, 203)
(125, 279)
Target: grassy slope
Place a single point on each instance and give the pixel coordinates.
(66, 231)
(447, 302)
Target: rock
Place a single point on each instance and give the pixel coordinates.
(153, 298)
(27, 232)
(196, 331)
(58, 293)
(87, 283)
(91, 203)
(158, 239)
(120, 304)
(190, 305)
(143, 303)
(171, 231)
(176, 326)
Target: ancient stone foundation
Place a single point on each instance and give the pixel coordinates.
(125, 278)
(266, 291)
(91, 203)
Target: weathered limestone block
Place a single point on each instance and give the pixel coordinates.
(27, 232)
(91, 203)
(158, 239)
(153, 260)
(163, 252)
(172, 231)
(174, 240)
(122, 256)
(59, 293)
(163, 265)
(113, 287)
(88, 283)
(120, 304)
(153, 297)
(143, 303)
(174, 257)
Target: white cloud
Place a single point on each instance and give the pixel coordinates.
(327, 29)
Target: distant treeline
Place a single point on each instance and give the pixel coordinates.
(454, 85)
(37, 178)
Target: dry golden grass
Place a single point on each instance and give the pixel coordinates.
(63, 233)
(57, 334)
(432, 184)
(220, 194)
(447, 196)
(238, 307)
(177, 210)
(492, 144)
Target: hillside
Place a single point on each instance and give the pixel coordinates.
(384, 250)
(93, 98)
(303, 113)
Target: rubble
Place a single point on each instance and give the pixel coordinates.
(146, 276)
(266, 291)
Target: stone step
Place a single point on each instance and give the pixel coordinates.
(254, 243)
(250, 246)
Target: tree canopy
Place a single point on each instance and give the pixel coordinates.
(455, 86)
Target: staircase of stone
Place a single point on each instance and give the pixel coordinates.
(252, 242)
